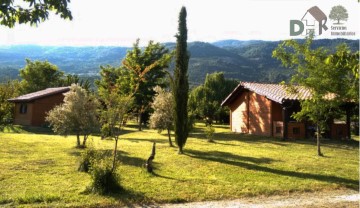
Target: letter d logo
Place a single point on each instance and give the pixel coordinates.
(292, 27)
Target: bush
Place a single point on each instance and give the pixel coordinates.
(105, 131)
(87, 158)
(104, 180)
(209, 133)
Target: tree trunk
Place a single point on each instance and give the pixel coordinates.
(318, 140)
(84, 141)
(149, 165)
(170, 142)
(180, 150)
(78, 140)
(115, 153)
(140, 121)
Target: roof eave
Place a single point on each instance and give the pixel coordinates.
(229, 98)
(15, 100)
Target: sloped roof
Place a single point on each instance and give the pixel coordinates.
(274, 92)
(39, 94)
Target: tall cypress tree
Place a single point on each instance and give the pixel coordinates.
(181, 84)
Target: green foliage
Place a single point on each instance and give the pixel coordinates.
(331, 78)
(8, 90)
(39, 75)
(70, 79)
(345, 65)
(338, 13)
(209, 133)
(77, 115)
(31, 11)
(205, 100)
(116, 89)
(97, 162)
(180, 85)
(104, 179)
(163, 116)
(148, 66)
(87, 159)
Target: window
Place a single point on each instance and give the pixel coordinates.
(23, 108)
(296, 130)
(278, 130)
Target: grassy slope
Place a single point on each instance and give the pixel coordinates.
(41, 169)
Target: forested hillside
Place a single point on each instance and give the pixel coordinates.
(242, 60)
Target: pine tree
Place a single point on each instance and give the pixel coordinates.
(181, 84)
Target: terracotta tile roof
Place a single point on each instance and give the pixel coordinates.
(275, 92)
(39, 94)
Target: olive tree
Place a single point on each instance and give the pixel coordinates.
(77, 115)
(163, 117)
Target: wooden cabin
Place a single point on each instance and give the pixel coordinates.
(266, 109)
(31, 109)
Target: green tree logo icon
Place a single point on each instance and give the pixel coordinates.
(338, 13)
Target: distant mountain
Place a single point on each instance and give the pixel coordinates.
(242, 60)
(235, 43)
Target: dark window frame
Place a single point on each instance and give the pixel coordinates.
(278, 129)
(23, 108)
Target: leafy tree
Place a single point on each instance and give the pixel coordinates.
(116, 89)
(39, 75)
(8, 90)
(113, 116)
(148, 66)
(34, 12)
(330, 78)
(338, 13)
(162, 118)
(209, 133)
(180, 84)
(77, 115)
(347, 65)
(205, 100)
(70, 79)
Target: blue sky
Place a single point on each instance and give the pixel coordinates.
(121, 22)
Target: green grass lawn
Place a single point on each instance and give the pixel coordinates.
(40, 169)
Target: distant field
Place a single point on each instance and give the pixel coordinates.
(40, 169)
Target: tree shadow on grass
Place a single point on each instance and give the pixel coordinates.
(126, 198)
(224, 143)
(160, 141)
(28, 129)
(129, 160)
(332, 143)
(230, 136)
(165, 177)
(122, 157)
(243, 162)
(226, 157)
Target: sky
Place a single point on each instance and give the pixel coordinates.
(121, 22)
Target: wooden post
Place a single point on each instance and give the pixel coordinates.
(348, 126)
(285, 123)
(248, 112)
(148, 164)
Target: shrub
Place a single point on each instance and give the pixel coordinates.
(104, 180)
(209, 133)
(87, 158)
